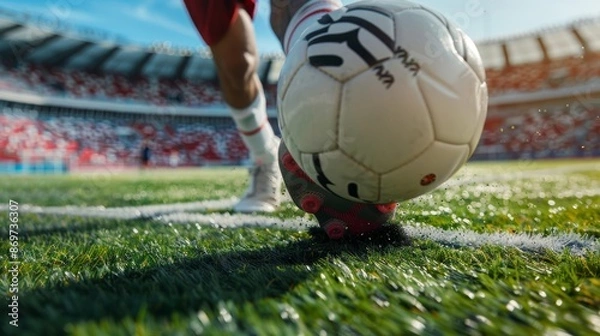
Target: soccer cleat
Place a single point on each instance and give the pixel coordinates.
(264, 191)
(337, 216)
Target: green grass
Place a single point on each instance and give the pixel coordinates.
(116, 189)
(93, 276)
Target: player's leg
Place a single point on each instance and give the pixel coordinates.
(336, 215)
(226, 26)
(236, 58)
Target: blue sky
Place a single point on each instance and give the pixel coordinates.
(146, 21)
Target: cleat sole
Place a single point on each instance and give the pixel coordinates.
(336, 215)
(335, 229)
(311, 203)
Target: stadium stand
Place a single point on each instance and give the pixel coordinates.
(544, 75)
(115, 87)
(558, 130)
(88, 103)
(112, 138)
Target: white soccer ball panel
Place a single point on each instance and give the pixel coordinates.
(480, 122)
(380, 16)
(472, 56)
(455, 111)
(383, 126)
(352, 41)
(310, 110)
(295, 58)
(457, 37)
(447, 82)
(342, 176)
(423, 174)
(392, 6)
(428, 42)
(463, 45)
(461, 164)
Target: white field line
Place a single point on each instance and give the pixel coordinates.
(476, 178)
(132, 212)
(181, 213)
(575, 243)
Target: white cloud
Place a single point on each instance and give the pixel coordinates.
(65, 13)
(177, 4)
(164, 22)
(145, 13)
(68, 14)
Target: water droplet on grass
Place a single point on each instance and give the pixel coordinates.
(512, 305)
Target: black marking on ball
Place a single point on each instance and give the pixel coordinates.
(321, 177)
(325, 60)
(353, 190)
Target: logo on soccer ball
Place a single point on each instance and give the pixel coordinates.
(352, 40)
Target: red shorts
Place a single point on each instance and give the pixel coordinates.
(214, 17)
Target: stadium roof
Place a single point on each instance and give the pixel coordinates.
(23, 42)
(574, 40)
(20, 41)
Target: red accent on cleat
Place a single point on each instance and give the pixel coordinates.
(311, 203)
(335, 229)
(289, 163)
(386, 208)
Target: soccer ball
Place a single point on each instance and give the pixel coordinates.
(382, 101)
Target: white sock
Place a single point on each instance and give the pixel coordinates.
(256, 131)
(306, 16)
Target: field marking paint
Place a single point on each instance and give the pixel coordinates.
(494, 177)
(149, 211)
(573, 242)
(577, 244)
(183, 213)
(132, 212)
